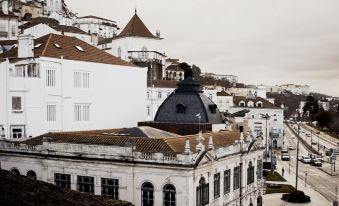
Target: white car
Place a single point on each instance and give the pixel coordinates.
(306, 159)
(291, 147)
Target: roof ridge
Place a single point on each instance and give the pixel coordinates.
(45, 48)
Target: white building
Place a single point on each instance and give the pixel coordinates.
(42, 26)
(8, 23)
(210, 169)
(137, 44)
(52, 6)
(258, 91)
(293, 88)
(60, 83)
(96, 25)
(255, 123)
(230, 78)
(324, 104)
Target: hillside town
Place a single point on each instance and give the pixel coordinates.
(95, 112)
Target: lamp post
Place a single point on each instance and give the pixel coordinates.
(267, 117)
(297, 166)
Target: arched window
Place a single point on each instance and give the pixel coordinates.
(144, 53)
(250, 104)
(147, 197)
(31, 174)
(181, 108)
(202, 193)
(250, 173)
(259, 104)
(15, 171)
(119, 52)
(169, 195)
(242, 104)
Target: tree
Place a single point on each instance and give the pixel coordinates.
(196, 71)
(311, 107)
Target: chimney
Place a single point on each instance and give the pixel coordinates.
(4, 7)
(25, 46)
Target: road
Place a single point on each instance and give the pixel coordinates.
(324, 183)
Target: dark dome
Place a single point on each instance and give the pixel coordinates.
(185, 103)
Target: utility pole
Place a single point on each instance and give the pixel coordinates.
(297, 167)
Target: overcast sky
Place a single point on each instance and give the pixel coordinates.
(261, 41)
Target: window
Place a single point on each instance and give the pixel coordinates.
(17, 131)
(169, 195)
(147, 197)
(51, 113)
(227, 181)
(148, 95)
(15, 171)
(110, 188)
(16, 104)
(250, 104)
(210, 96)
(242, 104)
(33, 70)
(236, 178)
(216, 185)
(202, 193)
(250, 173)
(259, 104)
(144, 53)
(119, 52)
(259, 169)
(2, 131)
(213, 108)
(85, 184)
(82, 112)
(79, 48)
(63, 180)
(148, 110)
(31, 174)
(159, 95)
(180, 108)
(19, 71)
(50, 77)
(81, 80)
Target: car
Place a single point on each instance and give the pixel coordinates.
(291, 147)
(300, 158)
(312, 156)
(319, 158)
(314, 143)
(316, 162)
(306, 159)
(285, 157)
(284, 150)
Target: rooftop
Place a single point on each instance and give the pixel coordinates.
(68, 49)
(265, 104)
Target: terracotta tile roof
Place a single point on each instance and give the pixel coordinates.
(163, 84)
(136, 27)
(20, 190)
(53, 24)
(68, 50)
(223, 93)
(167, 145)
(105, 40)
(8, 42)
(266, 104)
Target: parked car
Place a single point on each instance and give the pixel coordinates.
(306, 159)
(300, 158)
(314, 143)
(284, 150)
(315, 162)
(320, 159)
(285, 157)
(291, 147)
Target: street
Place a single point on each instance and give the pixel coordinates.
(321, 181)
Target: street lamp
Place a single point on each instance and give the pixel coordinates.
(297, 165)
(267, 117)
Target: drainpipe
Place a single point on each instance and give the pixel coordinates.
(7, 131)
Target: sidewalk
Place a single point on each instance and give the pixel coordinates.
(275, 199)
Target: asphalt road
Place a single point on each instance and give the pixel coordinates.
(322, 182)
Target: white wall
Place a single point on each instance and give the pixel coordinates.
(112, 99)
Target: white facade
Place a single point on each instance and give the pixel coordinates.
(66, 95)
(52, 6)
(177, 170)
(230, 78)
(155, 97)
(103, 27)
(258, 92)
(62, 19)
(43, 29)
(8, 28)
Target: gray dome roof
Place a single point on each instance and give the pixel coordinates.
(185, 103)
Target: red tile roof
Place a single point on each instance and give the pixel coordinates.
(68, 50)
(163, 84)
(223, 93)
(136, 27)
(167, 145)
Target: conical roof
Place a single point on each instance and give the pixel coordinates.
(136, 27)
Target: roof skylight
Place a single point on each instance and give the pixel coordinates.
(79, 48)
(38, 45)
(57, 46)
